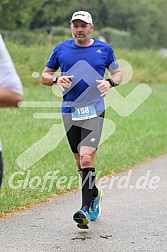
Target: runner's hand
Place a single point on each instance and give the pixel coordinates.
(103, 86)
(64, 82)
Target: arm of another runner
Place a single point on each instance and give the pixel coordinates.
(11, 91)
(9, 98)
(48, 77)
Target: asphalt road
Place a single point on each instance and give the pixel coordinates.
(134, 217)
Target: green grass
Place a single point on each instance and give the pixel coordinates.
(148, 66)
(138, 137)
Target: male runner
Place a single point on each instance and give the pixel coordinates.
(83, 61)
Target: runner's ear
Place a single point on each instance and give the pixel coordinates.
(92, 27)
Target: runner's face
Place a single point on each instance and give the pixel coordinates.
(81, 31)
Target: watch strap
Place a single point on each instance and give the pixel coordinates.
(112, 83)
(54, 81)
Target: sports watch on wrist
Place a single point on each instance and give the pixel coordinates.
(54, 81)
(112, 83)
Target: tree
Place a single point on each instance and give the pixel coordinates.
(17, 14)
(53, 13)
(145, 21)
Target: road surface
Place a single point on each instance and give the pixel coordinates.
(134, 217)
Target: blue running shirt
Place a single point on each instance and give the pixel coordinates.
(87, 64)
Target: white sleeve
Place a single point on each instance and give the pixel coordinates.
(8, 75)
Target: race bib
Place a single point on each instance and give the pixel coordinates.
(83, 112)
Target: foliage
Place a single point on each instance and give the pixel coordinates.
(145, 21)
(116, 37)
(37, 37)
(16, 14)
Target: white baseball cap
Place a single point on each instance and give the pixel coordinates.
(82, 15)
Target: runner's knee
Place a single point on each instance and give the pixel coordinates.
(86, 161)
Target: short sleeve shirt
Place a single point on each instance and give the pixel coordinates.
(8, 75)
(86, 64)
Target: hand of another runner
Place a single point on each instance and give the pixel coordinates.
(103, 86)
(64, 81)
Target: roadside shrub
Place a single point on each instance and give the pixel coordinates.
(116, 37)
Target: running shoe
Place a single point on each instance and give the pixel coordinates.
(94, 209)
(82, 218)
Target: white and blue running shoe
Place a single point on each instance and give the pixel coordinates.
(94, 209)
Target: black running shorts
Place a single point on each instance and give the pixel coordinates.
(84, 132)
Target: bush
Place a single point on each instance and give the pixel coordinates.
(117, 38)
(43, 36)
(25, 38)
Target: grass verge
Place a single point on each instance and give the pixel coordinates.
(138, 137)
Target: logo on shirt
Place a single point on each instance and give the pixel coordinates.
(99, 51)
